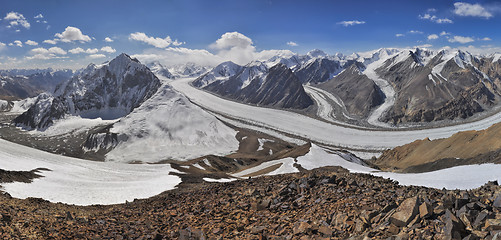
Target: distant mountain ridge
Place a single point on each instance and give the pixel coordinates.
(428, 85)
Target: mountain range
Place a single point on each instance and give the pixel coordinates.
(412, 85)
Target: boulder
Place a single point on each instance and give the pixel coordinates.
(405, 212)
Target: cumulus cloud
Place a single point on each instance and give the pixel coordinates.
(399, 35)
(461, 39)
(91, 50)
(292, 44)
(444, 33)
(471, 10)
(2, 46)
(39, 16)
(235, 47)
(76, 50)
(154, 41)
(43, 53)
(231, 46)
(434, 18)
(108, 49)
(432, 36)
(351, 23)
(17, 19)
(97, 56)
(81, 50)
(71, 34)
(17, 43)
(486, 39)
(31, 43)
(48, 41)
(107, 39)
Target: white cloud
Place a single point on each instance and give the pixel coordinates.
(91, 50)
(44, 54)
(435, 19)
(461, 39)
(415, 32)
(17, 19)
(97, 56)
(432, 36)
(48, 41)
(232, 46)
(351, 23)
(39, 16)
(31, 43)
(17, 43)
(154, 41)
(399, 35)
(57, 50)
(235, 47)
(177, 43)
(72, 34)
(444, 33)
(2, 46)
(486, 39)
(81, 50)
(292, 44)
(76, 50)
(107, 39)
(108, 49)
(472, 10)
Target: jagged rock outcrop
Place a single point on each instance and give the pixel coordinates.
(108, 91)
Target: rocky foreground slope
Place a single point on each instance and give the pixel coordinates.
(319, 204)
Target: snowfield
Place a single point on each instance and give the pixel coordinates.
(461, 177)
(318, 131)
(82, 182)
(168, 126)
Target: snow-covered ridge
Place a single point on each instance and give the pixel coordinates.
(169, 126)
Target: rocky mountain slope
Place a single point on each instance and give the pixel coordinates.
(426, 86)
(108, 91)
(359, 94)
(325, 203)
(256, 84)
(463, 148)
(432, 87)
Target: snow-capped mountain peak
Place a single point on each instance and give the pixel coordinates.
(316, 53)
(109, 91)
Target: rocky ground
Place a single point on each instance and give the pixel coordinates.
(327, 203)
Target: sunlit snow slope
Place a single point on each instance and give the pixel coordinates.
(82, 182)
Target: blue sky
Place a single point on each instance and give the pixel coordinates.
(72, 33)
